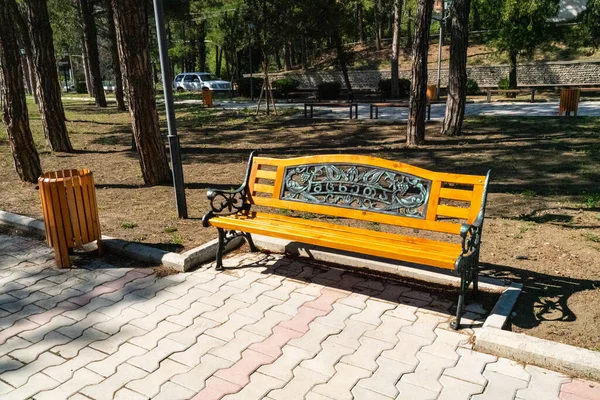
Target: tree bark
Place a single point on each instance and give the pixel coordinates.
(218, 60)
(86, 68)
(278, 60)
(361, 22)
(202, 46)
(287, 56)
(512, 77)
(457, 75)
(378, 24)
(341, 56)
(131, 25)
(90, 35)
(114, 52)
(12, 97)
(49, 92)
(396, 48)
(418, 88)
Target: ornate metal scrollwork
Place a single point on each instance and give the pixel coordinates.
(357, 186)
(226, 202)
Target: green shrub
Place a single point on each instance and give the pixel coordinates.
(472, 87)
(286, 85)
(504, 83)
(385, 86)
(329, 90)
(244, 86)
(81, 87)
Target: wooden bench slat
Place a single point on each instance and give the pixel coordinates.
(456, 194)
(379, 236)
(260, 188)
(453, 212)
(356, 244)
(261, 173)
(438, 226)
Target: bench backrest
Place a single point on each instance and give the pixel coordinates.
(369, 189)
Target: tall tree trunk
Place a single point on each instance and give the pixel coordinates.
(378, 23)
(90, 35)
(202, 46)
(361, 22)
(396, 48)
(278, 60)
(457, 75)
(409, 31)
(287, 56)
(86, 68)
(218, 60)
(512, 76)
(341, 56)
(25, 70)
(12, 97)
(50, 103)
(31, 74)
(476, 16)
(114, 52)
(418, 88)
(304, 54)
(131, 25)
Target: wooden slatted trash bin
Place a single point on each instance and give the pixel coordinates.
(569, 102)
(432, 92)
(70, 211)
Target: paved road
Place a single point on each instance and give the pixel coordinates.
(270, 327)
(550, 109)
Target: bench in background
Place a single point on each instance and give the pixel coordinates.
(511, 91)
(350, 106)
(365, 189)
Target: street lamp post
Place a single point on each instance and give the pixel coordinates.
(174, 147)
(442, 20)
(251, 28)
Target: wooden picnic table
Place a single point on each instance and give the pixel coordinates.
(374, 107)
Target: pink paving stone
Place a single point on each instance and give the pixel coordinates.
(46, 316)
(19, 326)
(240, 372)
(217, 388)
(325, 301)
(579, 389)
(273, 344)
(305, 316)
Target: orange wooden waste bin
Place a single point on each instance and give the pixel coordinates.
(207, 97)
(70, 211)
(432, 92)
(569, 102)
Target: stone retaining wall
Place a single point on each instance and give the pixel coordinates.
(551, 73)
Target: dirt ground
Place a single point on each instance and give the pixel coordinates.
(542, 224)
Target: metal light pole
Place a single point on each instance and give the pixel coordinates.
(251, 27)
(442, 21)
(174, 148)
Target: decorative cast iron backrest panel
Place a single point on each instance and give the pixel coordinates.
(361, 187)
(367, 188)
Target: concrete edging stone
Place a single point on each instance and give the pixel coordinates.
(137, 251)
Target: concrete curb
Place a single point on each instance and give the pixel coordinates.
(434, 275)
(137, 251)
(571, 360)
(504, 306)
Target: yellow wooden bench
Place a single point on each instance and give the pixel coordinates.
(361, 188)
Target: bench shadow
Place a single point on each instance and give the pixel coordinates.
(544, 297)
(421, 295)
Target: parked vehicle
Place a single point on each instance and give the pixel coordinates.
(196, 81)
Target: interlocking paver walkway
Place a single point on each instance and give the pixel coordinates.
(269, 327)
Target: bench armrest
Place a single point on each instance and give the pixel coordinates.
(471, 235)
(228, 202)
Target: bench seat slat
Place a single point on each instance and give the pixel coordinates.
(453, 248)
(354, 242)
(259, 187)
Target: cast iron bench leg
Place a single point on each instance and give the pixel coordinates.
(356, 111)
(305, 113)
(311, 111)
(251, 244)
(371, 111)
(220, 249)
(429, 112)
